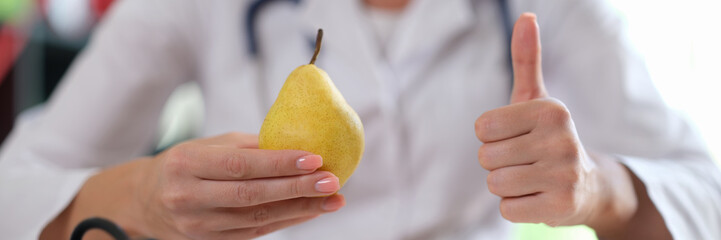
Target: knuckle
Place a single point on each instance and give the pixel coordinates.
(311, 204)
(236, 166)
(483, 157)
(507, 212)
(175, 200)
(260, 231)
(261, 215)
(173, 167)
(277, 163)
(526, 92)
(295, 187)
(482, 125)
(235, 134)
(568, 149)
(552, 222)
(264, 230)
(248, 194)
(494, 182)
(525, 61)
(190, 226)
(565, 198)
(567, 193)
(564, 210)
(556, 113)
(570, 177)
(564, 204)
(176, 157)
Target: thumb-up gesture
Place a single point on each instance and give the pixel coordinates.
(536, 161)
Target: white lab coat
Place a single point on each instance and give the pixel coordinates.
(419, 177)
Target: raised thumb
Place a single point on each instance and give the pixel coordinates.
(526, 56)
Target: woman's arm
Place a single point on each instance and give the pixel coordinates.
(592, 66)
(104, 112)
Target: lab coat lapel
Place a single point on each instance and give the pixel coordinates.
(344, 32)
(349, 39)
(426, 29)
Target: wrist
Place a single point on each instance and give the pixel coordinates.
(131, 213)
(108, 194)
(617, 201)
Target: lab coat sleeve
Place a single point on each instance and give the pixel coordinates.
(105, 112)
(590, 65)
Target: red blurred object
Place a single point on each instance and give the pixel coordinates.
(42, 8)
(73, 19)
(100, 7)
(11, 42)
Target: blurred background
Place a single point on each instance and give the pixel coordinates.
(681, 41)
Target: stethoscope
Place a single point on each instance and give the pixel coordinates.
(250, 17)
(256, 7)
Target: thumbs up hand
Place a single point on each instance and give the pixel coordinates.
(536, 161)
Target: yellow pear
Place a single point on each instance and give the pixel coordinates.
(311, 115)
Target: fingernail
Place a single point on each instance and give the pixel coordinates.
(332, 203)
(310, 162)
(529, 14)
(327, 185)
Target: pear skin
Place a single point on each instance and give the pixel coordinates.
(310, 114)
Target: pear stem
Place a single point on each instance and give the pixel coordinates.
(318, 39)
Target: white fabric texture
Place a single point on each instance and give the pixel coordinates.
(445, 64)
(383, 23)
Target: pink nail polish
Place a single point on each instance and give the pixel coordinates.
(327, 185)
(310, 162)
